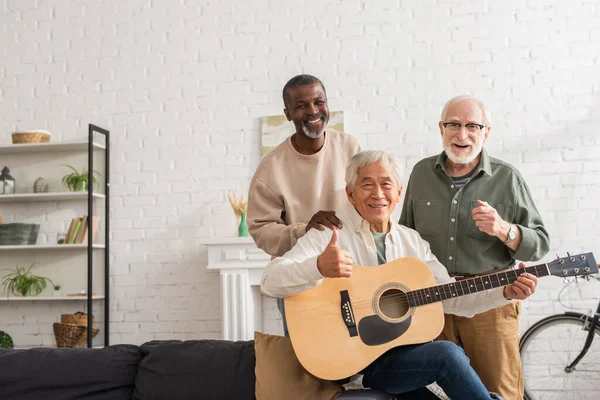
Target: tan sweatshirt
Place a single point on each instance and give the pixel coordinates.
(288, 188)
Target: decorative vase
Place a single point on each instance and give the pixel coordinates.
(57, 293)
(243, 228)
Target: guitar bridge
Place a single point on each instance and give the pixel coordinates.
(348, 313)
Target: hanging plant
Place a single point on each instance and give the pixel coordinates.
(22, 282)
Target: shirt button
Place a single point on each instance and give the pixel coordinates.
(452, 186)
(450, 258)
(428, 203)
(455, 202)
(452, 219)
(451, 239)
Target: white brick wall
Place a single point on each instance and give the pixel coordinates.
(182, 86)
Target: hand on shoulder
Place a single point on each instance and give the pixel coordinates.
(324, 219)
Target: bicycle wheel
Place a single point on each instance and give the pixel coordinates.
(548, 347)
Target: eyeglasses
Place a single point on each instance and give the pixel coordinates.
(455, 127)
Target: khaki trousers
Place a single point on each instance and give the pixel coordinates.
(491, 341)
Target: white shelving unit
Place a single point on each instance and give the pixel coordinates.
(49, 298)
(49, 147)
(61, 247)
(63, 259)
(55, 196)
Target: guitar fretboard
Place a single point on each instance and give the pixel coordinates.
(476, 284)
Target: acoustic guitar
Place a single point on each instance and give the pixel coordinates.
(344, 324)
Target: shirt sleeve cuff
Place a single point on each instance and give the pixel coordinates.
(310, 270)
(299, 230)
(528, 244)
(499, 297)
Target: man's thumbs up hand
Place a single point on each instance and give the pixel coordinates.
(335, 262)
(334, 238)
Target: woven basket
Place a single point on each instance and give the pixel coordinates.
(30, 137)
(79, 318)
(71, 335)
(18, 234)
(67, 335)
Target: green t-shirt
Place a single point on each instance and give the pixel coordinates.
(380, 246)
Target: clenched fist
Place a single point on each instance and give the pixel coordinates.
(488, 221)
(335, 262)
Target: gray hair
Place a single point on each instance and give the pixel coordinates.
(368, 157)
(487, 118)
(297, 81)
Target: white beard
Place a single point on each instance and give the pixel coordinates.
(464, 159)
(314, 135)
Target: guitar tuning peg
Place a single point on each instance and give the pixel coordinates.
(565, 281)
(576, 281)
(568, 255)
(587, 277)
(557, 256)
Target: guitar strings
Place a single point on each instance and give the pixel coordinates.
(402, 298)
(479, 286)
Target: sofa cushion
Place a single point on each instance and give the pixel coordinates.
(196, 369)
(279, 374)
(65, 373)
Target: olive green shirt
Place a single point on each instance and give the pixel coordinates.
(442, 215)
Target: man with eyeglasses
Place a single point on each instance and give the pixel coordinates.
(478, 216)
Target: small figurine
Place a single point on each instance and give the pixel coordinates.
(40, 186)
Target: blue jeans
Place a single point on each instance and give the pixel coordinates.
(286, 333)
(407, 368)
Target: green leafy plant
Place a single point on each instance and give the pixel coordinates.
(22, 282)
(77, 181)
(56, 287)
(6, 341)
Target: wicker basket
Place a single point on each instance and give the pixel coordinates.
(71, 335)
(79, 318)
(18, 234)
(30, 137)
(67, 335)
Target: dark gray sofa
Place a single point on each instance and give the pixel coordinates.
(173, 370)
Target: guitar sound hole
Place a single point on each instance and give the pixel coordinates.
(393, 304)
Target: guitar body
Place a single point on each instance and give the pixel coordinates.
(344, 324)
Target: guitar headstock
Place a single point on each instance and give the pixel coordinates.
(574, 265)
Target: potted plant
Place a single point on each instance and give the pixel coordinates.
(77, 181)
(56, 290)
(22, 282)
(6, 341)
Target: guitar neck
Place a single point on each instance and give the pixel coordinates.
(476, 284)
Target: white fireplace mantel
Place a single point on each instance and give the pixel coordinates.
(240, 264)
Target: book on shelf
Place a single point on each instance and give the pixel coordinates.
(82, 230)
(71, 230)
(79, 228)
(94, 225)
(75, 231)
